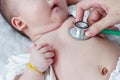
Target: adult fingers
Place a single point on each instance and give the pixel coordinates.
(100, 25)
(113, 28)
(94, 16)
(81, 7)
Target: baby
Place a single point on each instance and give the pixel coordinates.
(46, 23)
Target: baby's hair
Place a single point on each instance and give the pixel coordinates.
(8, 12)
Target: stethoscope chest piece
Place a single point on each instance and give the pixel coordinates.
(78, 31)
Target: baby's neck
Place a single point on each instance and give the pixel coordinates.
(42, 37)
(50, 38)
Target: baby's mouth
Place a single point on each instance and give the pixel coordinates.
(55, 5)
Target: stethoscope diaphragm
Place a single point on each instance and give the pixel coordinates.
(78, 31)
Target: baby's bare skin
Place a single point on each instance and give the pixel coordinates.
(81, 60)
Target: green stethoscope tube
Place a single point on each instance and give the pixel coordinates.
(112, 32)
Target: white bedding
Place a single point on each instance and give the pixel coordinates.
(11, 43)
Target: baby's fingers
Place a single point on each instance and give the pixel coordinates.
(49, 61)
(45, 49)
(39, 46)
(49, 55)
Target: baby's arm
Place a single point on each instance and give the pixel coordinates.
(41, 59)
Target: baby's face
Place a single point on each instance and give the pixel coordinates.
(43, 16)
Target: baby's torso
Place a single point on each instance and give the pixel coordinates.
(93, 59)
(85, 62)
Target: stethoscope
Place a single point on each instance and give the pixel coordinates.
(80, 27)
(78, 31)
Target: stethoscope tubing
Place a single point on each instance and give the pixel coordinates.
(111, 32)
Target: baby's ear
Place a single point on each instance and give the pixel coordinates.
(18, 23)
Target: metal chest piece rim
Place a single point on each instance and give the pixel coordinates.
(78, 31)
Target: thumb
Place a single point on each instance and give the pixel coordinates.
(100, 25)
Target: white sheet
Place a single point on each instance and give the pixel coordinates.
(11, 43)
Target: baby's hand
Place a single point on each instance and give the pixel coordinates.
(42, 56)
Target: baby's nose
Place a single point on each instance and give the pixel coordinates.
(52, 3)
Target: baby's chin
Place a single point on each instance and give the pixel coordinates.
(61, 15)
(62, 18)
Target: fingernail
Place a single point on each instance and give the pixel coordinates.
(89, 33)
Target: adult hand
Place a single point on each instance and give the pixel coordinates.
(104, 13)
